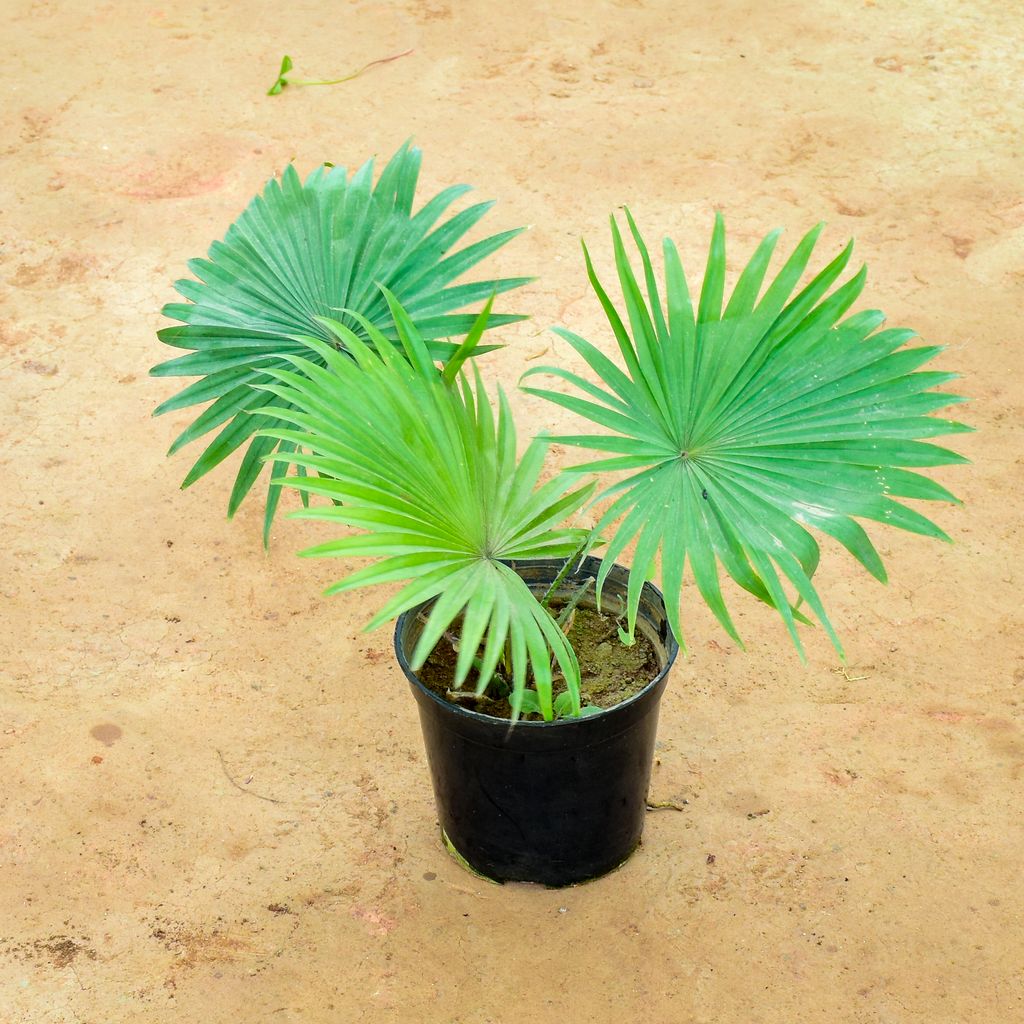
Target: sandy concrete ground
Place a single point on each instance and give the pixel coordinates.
(210, 810)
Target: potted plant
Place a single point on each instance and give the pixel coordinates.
(727, 433)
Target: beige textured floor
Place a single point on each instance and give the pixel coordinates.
(210, 810)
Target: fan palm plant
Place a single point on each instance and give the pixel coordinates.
(733, 428)
(300, 252)
(738, 429)
(727, 432)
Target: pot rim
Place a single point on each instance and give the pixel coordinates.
(671, 648)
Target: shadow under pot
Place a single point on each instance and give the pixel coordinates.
(548, 802)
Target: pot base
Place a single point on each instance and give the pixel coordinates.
(466, 866)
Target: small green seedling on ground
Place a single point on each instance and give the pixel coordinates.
(287, 65)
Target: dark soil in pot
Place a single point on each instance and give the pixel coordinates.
(611, 672)
(549, 802)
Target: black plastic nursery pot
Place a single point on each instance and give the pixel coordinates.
(549, 802)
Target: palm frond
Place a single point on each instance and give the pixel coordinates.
(299, 254)
(429, 475)
(745, 428)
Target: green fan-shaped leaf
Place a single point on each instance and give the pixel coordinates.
(744, 429)
(427, 472)
(302, 257)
